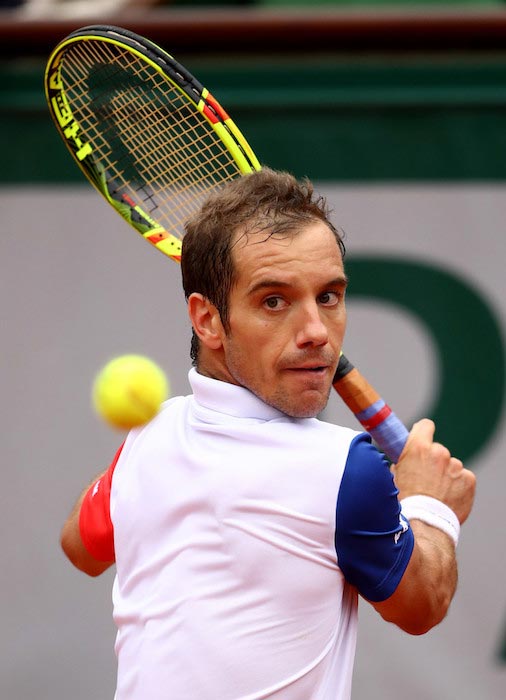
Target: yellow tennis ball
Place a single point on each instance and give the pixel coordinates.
(128, 391)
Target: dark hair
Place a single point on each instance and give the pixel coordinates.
(267, 202)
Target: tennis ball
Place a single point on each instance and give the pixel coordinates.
(128, 391)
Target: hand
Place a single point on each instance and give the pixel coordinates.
(427, 468)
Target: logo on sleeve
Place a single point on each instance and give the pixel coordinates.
(404, 525)
(95, 489)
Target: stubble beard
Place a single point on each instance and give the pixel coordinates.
(291, 404)
(298, 408)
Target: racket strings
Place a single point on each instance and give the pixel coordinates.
(195, 147)
(144, 130)
(178, 163)
(184, 166)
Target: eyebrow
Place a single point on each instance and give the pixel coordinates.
(341, 281)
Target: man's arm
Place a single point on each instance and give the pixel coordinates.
(427, 587)
(71, 538)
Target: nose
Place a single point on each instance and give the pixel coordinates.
(311, 330)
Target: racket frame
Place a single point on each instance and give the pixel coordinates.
(185, 83)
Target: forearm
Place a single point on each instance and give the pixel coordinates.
(437, 493)
(428, 585)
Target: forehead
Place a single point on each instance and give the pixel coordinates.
(309, 250)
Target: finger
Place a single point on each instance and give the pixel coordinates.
(470, 478)
(424, 428)
(421, 432)
(440, 454)
(456, 467)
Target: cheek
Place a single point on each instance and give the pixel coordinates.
(263, 340)
(340, 323)
(260, 346)
(253, 331)
(272, 337)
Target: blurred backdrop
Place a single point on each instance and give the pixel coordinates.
(398, 113)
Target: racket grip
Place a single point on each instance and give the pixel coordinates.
(377, 418)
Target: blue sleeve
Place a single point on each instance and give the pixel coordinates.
(373, 541)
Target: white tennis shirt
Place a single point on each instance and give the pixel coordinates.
(228, 585)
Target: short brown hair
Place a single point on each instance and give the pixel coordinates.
(268, 202)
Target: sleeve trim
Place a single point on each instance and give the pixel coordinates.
(95, 524)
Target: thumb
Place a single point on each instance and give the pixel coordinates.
(422, 431)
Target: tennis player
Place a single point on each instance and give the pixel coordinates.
(242, 527)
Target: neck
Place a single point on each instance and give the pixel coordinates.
(212, 364)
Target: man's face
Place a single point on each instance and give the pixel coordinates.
(287, 318)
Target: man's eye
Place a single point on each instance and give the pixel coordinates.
(273, 302)
(329, 298)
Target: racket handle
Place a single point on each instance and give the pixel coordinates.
(371, 411)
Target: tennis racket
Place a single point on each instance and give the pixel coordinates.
(155, 143)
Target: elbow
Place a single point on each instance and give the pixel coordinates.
(418, 609)
(66, 544)
(417, 628)
(78, 556)
(428, 586)
(424, 615)
(69, 549)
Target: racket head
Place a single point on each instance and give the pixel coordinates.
(146, 133)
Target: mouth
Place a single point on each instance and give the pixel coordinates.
(312, 369)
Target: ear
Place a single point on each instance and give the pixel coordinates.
(206, 321)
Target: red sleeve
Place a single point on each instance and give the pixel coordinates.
(95, 523)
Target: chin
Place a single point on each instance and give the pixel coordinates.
(301, 412)
(298, 408)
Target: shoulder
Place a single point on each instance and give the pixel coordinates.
(156, 432)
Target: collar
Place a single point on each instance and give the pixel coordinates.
(230, 399)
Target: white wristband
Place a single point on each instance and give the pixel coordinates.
(432, 512)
